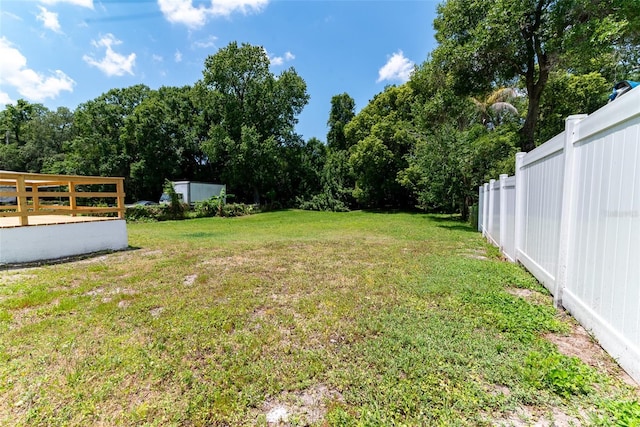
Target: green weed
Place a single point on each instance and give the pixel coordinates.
(565, 376)
(625, 413)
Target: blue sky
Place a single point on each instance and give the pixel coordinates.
(65, 52)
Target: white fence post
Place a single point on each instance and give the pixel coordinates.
(485, 215)
(490, 229)
(480, 206)
(571, 125)
(503, 211)
(519, 214)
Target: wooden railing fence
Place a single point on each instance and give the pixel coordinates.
(31, 194)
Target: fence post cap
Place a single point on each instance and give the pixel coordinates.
(576, 117)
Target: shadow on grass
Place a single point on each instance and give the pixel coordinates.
(396, 211)
(63, 260)
(447, 221)
(458, 227)
(451, 222)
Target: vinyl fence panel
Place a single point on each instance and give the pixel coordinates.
(481, 209)
(602, 289)
(508, 217)
(542, 172)
(571, 216)
(494, 212)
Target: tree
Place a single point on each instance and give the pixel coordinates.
(98, 148)
(569, 94)
(33, 136)
(454, 150)
(253, 114)
(304, 165)
(433, 172)
(14, 120)
(335, 192)
(496, 106)
(435, 100)
(47, 133)
(155, 146)
(484, 42)
(447, 165)
(380, 137)
(336, 185)
(342, 111)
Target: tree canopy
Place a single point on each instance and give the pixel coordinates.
(253, 117)
(487, 42)
(503, 77)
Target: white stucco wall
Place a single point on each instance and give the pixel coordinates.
(43, 242)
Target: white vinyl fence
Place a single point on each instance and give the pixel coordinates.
(571, 216)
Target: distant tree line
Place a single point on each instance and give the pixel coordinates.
(504, 76)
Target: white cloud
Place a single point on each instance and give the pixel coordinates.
(49, 20)
(10, 15)
(276, 60)
(178, 56)
(184, 12)
(208, 42)
(157, 58)
(227, 7)
(397, 68)
(5, 99)
(29, 83)
(113, 63)
(279, 60)
(83, 3)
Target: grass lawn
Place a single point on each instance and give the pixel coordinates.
(296, 318)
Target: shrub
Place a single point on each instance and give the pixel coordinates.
(212, 206)
(323, 202)
(237, 209)
(176, 209)
(146, 213)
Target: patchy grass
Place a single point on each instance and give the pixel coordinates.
(294, 318)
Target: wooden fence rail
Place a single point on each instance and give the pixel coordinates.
(25, 197)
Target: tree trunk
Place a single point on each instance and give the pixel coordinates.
(527, 132)
(538, 62)
(464, 211)
(534, 90)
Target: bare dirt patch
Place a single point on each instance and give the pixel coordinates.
(156, 252)
(527, 417)
(475, 254)
(579, 343)
(116, 291)
(530, 295)
(301, 408)
(155, 312)
(8, 278)
(107, 296)
(115, 257)
(250, 257)
(190, 280)
(92, 260)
